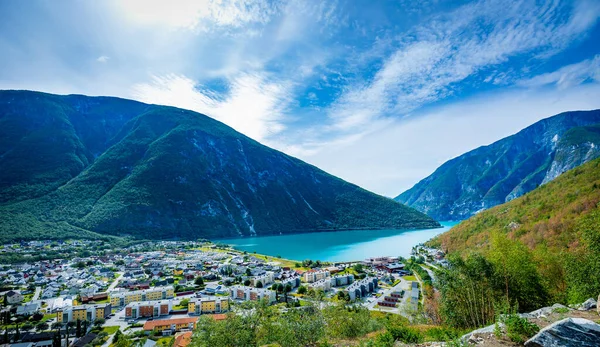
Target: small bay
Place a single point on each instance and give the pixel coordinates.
(346, 245)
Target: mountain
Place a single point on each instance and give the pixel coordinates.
(89, 166)
(550, 215)
(494, 174)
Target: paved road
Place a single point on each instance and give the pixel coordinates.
(38, 292)
(402, 285)
(116, 282)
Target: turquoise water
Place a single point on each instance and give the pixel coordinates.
(340, 245)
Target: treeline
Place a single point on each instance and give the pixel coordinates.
(479, 286)
(313, 325)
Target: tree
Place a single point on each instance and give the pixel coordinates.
(17, 336)
(359, 268)
(247, 282)
(78, 329)
(85, 327)
(56, 339)
(259, 284)
(184, 302)
(286, 290)
(302, 290)
(41, 326)
(248, 272)
(99, 321)
(199, 281)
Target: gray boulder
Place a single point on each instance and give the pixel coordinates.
(569, 332)
(587, 305)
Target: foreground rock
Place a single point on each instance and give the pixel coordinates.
(587, 305)
(575, 332)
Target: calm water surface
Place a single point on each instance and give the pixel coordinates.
(338, 246)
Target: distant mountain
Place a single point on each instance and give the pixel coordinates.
(494, 174)
(553, 216)
(89, 166)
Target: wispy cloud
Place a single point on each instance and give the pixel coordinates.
(254, 105)
(102, 59)
(200, 15)
(567, 76)
(432, 59)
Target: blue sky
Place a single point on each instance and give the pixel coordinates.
(379, 93)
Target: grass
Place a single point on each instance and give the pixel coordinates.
(49, 316)
(410, 278)
(110, 329)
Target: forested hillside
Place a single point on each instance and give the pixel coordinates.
(77, 166)
(531, 252)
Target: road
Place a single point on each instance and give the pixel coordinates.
(116, 282)
(402, 285)
(38, 292)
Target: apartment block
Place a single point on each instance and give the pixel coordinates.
(208, 305)
(144, 309)
(342, 280)
(265, 279)
(311, 276)
(83, 312)
(119, 299)
(361, 288)
(254, 294)
(294, 282)
(324, 285)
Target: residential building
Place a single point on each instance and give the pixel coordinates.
(14, 297)
(265, 279)
(170, 326)
(148, 309)
(254, 294)
(414, 295)
(341, 280)
(361, 288)
(311, 276)
(292, 281)
(119, 299)
(83, 312)
(28, 309)
(324, 285)
(206, 305)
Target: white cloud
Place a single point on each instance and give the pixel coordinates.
(102, 59)
(198, 14)
(398, 154)
(254, 105)
(431, 60)
(569, 75)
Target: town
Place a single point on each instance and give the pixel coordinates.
(155, 291)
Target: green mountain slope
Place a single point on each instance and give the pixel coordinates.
(536, 250)
(74, 165)
(494, 174)
(546, 216)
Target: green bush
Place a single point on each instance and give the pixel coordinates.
(519, 329)
(406, 334)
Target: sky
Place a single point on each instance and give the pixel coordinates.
(379, 93)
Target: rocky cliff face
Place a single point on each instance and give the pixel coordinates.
(75, 164)
(494, 174)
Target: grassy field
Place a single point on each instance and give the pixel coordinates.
(410, 278)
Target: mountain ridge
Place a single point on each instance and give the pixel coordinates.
(490, 175)
(120, 167)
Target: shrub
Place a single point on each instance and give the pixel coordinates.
(406, 334)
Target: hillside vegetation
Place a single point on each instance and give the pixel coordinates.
(528, 253)
(77, 166)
